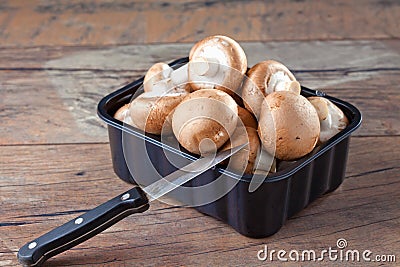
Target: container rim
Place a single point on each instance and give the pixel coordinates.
(356, 119)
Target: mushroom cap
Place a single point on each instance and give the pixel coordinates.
(321, 106)
(332, 119)
(159, 71)
(289, 124)
(247, 118)
(232, 63)
(204, 114)
(243, 160)
(122, 114)
(254, 88)
(150, 112)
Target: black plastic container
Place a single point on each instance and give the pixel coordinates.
(283, 194)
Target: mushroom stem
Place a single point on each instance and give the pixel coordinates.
(279, 81)
(166, 73)
(174, 79)
(162, 87)
(180, 75)
(203, 66)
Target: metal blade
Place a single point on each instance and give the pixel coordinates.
(190, 171)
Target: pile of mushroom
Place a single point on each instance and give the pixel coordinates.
(211, 104)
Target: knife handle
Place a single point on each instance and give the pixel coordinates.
(83, 227)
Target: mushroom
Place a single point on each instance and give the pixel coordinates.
(162, 78)
(264, 78)
(217, 62)
(246, 118)
(204, 115)
(122, 114)
(151, 111)
(332, 119)
(159, 71)
(244, 160)
(288, 125)
(252, 158)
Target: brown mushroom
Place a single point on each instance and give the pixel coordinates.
(288, 125)
(246, 118)
(122, 114)
(244, 160)
(332, 119)
(158, 72)
(252, 158)
(264, 78)
(217, 62)
(205, 115)
(150, 112)
(162, 78)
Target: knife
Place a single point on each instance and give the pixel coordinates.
(135, 200)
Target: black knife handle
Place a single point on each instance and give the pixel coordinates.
(83, 227)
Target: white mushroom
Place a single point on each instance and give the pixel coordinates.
(265, 78)
(217, 62)
(289, 125)
(162, 78)
(332, 119)
(205, 115)
(150, 112)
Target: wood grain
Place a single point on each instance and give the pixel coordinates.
(59, 58)
(58, 88)
(299, 55)
(102, 22)
(47, 175)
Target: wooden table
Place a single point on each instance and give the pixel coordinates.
(59, 58)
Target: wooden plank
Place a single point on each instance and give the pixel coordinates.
(33, 110)
(63, 105)
(37, 182)
(297, 55)
(101, 22)
(58, 88)
(58, 59)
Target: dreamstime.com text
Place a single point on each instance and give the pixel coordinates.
(340, 253)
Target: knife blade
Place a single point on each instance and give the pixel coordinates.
(190, 171)
(135, 200)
